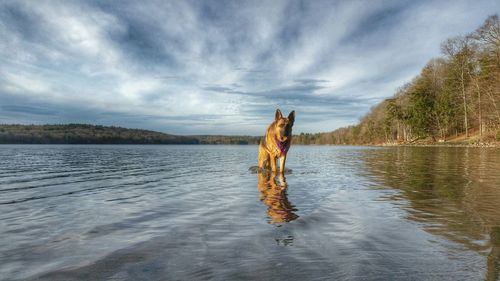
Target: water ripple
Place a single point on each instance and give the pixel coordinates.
(197, 213)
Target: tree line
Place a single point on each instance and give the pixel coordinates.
(85, 134)
(457, 94)
(97, 134)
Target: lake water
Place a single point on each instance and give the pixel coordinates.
(197, 213)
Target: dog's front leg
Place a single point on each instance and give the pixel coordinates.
(273, 163)
(282, 163)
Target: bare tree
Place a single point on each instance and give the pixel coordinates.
(459, 53)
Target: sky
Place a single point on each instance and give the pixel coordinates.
(217, 67)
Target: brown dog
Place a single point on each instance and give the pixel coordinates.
(276, 142)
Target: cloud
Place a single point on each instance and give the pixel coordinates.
(22, 84)
(216, 67)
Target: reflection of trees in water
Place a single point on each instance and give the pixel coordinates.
(494, 257)
(272, 188)
(454, 192)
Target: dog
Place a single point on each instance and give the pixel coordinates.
(276, 142)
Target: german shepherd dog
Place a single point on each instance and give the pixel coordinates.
(276, 142)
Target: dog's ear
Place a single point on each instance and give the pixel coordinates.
(278, 115)
(291, 116)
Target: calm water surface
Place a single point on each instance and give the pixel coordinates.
(198, 213)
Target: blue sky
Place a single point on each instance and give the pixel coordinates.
(216, 67)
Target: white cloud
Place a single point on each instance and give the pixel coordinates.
(133, 89)
(23, 84)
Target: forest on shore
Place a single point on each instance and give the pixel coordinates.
(85, 134)
(97, 134)
(455, 97)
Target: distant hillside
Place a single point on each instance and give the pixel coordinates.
(85, 134)
(96, 134)
(219, 139)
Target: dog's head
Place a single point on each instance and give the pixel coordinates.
(283, 126)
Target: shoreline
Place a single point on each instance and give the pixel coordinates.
(479, 145)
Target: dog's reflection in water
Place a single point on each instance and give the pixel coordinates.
(272, 189)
